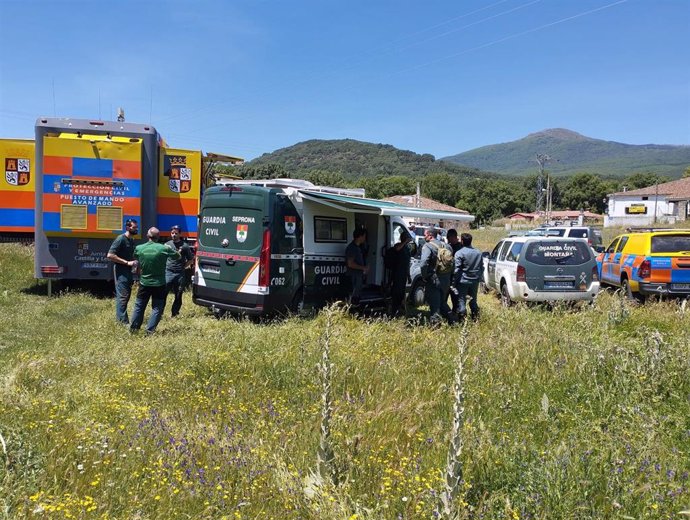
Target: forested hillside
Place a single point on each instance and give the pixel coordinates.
(575, 153)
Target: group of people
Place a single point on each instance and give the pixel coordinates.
(452, 269)
(162, 269)
(455, 273)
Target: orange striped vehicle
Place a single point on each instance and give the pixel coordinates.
(648, 263)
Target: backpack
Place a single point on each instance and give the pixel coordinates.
(444, 259)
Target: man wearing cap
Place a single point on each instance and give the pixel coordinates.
(152, 257)
(176, 268)
(121, 254)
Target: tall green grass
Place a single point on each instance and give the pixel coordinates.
(566, 413)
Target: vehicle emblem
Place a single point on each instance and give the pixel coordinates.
(559, 270)
(242, 230)
(290, 225)
(225, 242)
(17, 171)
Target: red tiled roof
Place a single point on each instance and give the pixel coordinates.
(678, 189)
(424, 203)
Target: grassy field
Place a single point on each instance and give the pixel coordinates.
(551, 414)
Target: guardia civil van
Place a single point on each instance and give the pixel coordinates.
(270, 246)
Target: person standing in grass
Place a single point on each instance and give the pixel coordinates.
(436, 276)
(400, 274)
(121, 254)
(455, 245)
(176, 268)
(152, 257)
(469, 268)
(356, 263)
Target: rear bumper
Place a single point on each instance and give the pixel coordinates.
(528, 295)
(234, 302)
(661, 289)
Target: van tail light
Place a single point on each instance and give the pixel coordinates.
(53, 269)
(595, 274)
(521, 274)
(265, 260)
(645, 269)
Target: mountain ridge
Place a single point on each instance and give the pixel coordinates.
(572, 152)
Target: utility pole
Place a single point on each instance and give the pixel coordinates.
(542, 159)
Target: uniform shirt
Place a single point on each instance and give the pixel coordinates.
(176, 265)
(152, 258)
(355, 252)
(469, 265)
(123, 246)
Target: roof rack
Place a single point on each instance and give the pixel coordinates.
(647, 229)
(298, 184)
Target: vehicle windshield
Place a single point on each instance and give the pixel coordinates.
(558, 253)
(671, 243)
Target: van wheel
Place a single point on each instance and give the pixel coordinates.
(417, 294)
(628, 292)
(505, 295)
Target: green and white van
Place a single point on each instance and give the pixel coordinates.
(271, 246)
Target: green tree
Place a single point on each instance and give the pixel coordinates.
(585, 191)
(326, 178)
(489, 200)
(686, 173)
(441, 187)
(643, 179)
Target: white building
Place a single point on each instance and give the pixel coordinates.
(665, 203)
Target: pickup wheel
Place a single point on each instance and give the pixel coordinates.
(505, 295)
(628, 292)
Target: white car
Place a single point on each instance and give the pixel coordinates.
(542, 269)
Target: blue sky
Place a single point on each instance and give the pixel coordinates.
(441, 77)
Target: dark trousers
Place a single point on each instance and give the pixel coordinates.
(123, 291)
(398, 299)
(176, 283)
(157, 296)
(466, 289)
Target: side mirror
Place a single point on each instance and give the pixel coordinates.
(485, 254)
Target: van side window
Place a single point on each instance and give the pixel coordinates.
(494, 253)
(621, 244)
(504, 251)
(514, 254)
(330, 229)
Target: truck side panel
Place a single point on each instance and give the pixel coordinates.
(179, 190)
(17, 187)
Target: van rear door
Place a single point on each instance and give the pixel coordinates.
(558, 265)
(231, 233)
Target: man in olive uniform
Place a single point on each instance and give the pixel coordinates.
(152, 257)
(121, 254)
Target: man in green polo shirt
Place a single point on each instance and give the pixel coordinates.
(152, 257)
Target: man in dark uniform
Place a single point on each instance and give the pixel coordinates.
(121, 254)
(356, 264)
(400, 274)
(456, 245)
(176, 268)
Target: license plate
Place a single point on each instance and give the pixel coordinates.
(680, 286)
(558, 285)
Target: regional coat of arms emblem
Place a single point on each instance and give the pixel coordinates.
(242, 230)
(17, 171)
(290, 225)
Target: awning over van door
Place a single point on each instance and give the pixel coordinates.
(380, 207)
